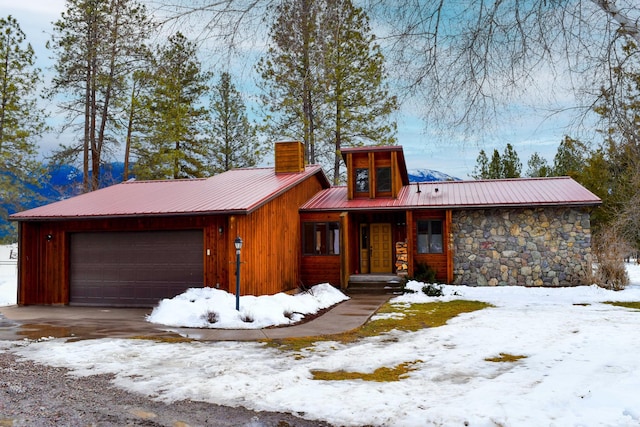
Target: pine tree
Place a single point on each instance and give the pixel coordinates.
(174, 143)
(506, 166)
(325, 80)
(481, 170)
(537, 166)
(96, 43)
(495, 166)
(570, 157)
(292, 92)
(511, 165)
(21, 121)
(358, 100)
(234, 143)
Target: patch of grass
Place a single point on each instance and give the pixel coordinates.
(383, 374)
(170, 339)
(505, 357)
(406, 317)
(630, 304)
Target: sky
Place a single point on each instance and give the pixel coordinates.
(580, 365)
(528, 131)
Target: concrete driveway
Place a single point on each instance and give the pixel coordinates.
(77, 323)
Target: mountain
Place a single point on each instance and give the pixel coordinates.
(60, 182)
(428, 175)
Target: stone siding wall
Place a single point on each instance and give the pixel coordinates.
(527, 247)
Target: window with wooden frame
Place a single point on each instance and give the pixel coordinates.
(430, 236)
(321, 238)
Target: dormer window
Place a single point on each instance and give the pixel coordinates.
(374, 171)
(362, 180)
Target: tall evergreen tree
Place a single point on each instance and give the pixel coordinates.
(292, 92)
(358, 100)
(537, 166)
(570, 157)
(21, 120)
(325, 70)
(174, 143)
(234, 142)
(96, 43)
(481, 169)
(495, 166)
(511, 165)
(506, 166)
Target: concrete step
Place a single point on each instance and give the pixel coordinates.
(375, 284)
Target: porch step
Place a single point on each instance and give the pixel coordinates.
(375, 284)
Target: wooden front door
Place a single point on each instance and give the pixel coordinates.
(381, 252)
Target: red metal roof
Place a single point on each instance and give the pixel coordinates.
(524, 192)
(234, 191)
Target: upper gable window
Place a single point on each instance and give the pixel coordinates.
(362, 180)
(383, 179)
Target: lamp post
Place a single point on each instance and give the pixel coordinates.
(238, 244)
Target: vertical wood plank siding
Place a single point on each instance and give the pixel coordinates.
(321, 268)
(441, 263)
(270, 256)
(44, 261)
(271, 241)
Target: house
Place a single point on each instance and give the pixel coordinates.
(137, 242)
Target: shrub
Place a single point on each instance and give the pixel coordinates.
(423, 273)
(610, 250)
(432, 290)
(210, 317)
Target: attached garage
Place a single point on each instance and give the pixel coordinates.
(133, 269)
(135, 243)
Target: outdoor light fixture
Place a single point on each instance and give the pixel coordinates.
(238, 244)
(220, 230)
(49, 237)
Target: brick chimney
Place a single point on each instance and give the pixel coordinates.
(289, 157)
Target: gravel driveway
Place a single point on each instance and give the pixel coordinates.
(37, 395)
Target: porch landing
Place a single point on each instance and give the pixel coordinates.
(375, 284)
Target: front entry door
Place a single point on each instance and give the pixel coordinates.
(381, 253)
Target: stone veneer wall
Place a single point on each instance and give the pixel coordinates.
(530, 247)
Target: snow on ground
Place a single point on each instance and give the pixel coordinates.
(581, 367)
(8, 274)
(213, 308)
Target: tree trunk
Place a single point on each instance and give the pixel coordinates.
(127, 146)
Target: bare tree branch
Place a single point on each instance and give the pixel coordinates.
(465, 63)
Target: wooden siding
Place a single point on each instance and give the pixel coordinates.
(289, 157)
(321, 268)
(270, 255)
(371, 161)
(271, 240)
(44, 251)
(442, 263)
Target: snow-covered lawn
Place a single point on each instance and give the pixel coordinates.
(580, 369)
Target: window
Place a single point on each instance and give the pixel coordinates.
(321, 238)
(362, 180)
(430, 237)
(383, 179)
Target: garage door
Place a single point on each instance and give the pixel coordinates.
(134, 269)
